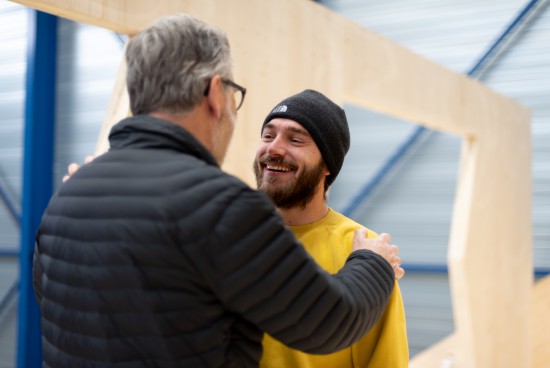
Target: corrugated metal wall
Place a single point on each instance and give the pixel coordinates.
(88, 60)
(13, 58)
(524, 74)
(415, 201)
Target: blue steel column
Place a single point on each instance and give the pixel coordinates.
(37, 173)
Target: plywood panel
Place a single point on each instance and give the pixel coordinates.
(540, 319)
(489, 258)
(440, 355)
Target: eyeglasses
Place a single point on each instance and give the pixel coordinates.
(239, 99)
(242, 92)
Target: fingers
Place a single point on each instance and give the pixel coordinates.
(359, 237)
(399, 273)
(72, 168)
(361, 233)
(386, 237)
(396, 262)
(381, 245)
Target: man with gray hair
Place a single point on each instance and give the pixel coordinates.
(151, 255)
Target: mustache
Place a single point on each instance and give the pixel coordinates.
(270, 160)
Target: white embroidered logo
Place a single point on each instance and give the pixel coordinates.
(280, 108)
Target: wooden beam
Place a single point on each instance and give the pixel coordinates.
(540, 320)
(121, 16)
(441, 354)
(490, 254)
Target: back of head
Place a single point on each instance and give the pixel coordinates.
(171, 63)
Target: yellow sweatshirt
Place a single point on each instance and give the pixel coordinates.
(329, 241)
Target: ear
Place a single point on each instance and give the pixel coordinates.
(216, 97)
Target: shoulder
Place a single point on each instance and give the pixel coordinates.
(349, 225)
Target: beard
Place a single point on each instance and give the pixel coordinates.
(297, 192)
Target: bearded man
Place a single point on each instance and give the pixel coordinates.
(303, 144)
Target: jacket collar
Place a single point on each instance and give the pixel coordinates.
(144, 131)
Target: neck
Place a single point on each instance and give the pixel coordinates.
(189, 121)
(312, 212)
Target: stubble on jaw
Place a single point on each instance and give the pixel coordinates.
(295, 193)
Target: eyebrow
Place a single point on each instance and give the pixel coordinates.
(292, 129)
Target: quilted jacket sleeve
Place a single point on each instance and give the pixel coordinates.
(37, 275)
(261, 272)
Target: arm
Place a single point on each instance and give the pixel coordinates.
(261, 273)
(37, 275)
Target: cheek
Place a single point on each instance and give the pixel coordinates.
(262, 149)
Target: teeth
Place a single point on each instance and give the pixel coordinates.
(277, 168)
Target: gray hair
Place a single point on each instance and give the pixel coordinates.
(171, 63)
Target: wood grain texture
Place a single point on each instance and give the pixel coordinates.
(540, 321)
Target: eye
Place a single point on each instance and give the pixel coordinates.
(267, 137)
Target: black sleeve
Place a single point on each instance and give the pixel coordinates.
(37, 275)
(260, 271)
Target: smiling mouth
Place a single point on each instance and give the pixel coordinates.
(277, 168)
(276, 164)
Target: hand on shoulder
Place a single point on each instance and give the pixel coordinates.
(73, 167)
(382, 246)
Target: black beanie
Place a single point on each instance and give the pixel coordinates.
(324, 120)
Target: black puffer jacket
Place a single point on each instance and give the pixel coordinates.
(151, 256)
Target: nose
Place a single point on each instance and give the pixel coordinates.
(276, 147)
